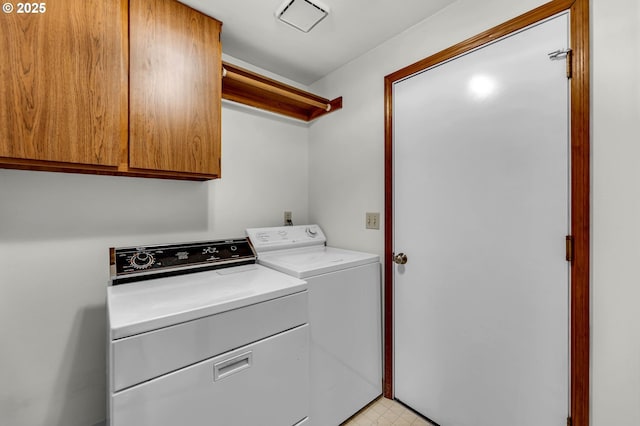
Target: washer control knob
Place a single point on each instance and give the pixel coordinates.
(142, 260)
(312, 232)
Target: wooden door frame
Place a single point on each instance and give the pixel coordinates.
(580, 182)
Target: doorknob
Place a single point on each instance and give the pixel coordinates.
(400, 258)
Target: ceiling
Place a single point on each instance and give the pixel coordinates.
(251, 33)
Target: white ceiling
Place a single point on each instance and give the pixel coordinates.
(251, 33)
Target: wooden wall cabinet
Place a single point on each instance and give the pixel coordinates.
(174, 89)
(61, 82)
(111, 87)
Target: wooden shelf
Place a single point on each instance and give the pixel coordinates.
(248, 88)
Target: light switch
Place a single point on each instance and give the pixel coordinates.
(372, 220)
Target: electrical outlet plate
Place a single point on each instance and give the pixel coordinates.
(372, 220)
(287, 218)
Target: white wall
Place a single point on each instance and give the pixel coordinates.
(55, 231)
(346, 166)
(616, 213)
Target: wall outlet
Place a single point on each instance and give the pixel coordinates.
(372, 220)
(287, 218)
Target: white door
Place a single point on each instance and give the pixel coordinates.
(481, 210)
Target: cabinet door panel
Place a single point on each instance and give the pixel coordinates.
(63, 83)
(174, 110)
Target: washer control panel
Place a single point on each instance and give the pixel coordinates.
(172, 259)
(284, 237)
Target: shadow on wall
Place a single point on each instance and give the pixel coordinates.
(44, 205)
(80, 387)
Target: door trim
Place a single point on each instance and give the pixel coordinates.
(580, 183)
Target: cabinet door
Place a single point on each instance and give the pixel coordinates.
(174, 109)
(62, 83)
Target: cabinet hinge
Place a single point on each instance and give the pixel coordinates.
(569, 421)
(569, 248)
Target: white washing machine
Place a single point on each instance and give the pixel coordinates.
(344, 317)
(201, 335)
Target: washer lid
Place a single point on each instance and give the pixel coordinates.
(286, 237)
(148, 305)
(311, 261)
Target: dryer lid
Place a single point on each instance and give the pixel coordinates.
(286, 237)
(148, 305)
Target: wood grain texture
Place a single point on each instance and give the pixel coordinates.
(174, 91)
(580, 184)
(261, 92)
(61, 84)
(270, 88)
(124, 100)
(580, 218)
(387, 376)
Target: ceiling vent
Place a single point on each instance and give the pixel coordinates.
(302, 14)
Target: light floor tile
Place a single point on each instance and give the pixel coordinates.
(386, 412)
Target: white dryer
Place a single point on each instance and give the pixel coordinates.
(201, 335)
(344, 317)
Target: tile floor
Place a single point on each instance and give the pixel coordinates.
(386, 412)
